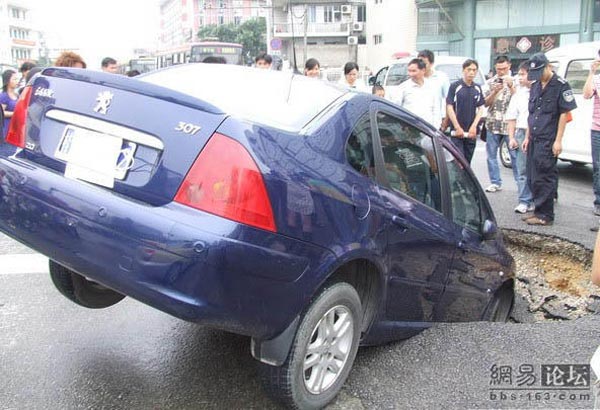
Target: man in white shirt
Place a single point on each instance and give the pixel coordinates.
(516, 117)
(416, 95)
(438, 81)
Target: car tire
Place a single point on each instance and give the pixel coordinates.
(500, 307)
(578, 164)
(505, 154)
(294, 383)
(80, 290)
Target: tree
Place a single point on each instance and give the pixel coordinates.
(224, 32)
(251, 35)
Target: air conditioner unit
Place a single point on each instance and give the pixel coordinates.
(346, 9)
(358, 26)
(352, 40)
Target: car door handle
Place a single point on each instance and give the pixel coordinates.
(400, 222)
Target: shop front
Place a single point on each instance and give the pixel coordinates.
(521, 48)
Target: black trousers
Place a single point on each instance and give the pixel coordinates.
(542, 175)
(466, 146)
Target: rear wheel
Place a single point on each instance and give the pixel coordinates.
(80, 290)
(505, 154)
(322, 353)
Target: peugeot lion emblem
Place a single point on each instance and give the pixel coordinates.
(103, 101)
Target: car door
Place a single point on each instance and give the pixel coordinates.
(380, 76)
(420, 239)
(576, 140)
(480, 263)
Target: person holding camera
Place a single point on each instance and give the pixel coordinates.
(501, 87)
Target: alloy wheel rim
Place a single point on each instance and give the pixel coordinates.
(328, 349)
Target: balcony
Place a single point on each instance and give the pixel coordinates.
(312, 29)
(21, 42)
(435, 28)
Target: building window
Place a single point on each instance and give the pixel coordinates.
(432, 22)
(220, 19)
(361, 13)
(312, 14)
(237, 20)
(378, 1)
(378, 39)
(332, 14)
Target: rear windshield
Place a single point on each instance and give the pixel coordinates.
(268, 97)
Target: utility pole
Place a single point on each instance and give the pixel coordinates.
(269, 24)
(305, 30)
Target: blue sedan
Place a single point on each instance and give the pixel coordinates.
(308, 217)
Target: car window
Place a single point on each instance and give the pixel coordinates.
(397, 74)
(576, 74)
(275, 98)
(410, 163)
(359, 148)
(381, 76)
(468, 209)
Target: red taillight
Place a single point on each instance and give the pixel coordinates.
(224, 180)
(16, 129)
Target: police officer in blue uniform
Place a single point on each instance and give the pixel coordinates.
(550, 101)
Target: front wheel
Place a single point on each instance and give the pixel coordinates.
(322, 353)
(501, 305)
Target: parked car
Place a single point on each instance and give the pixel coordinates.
(310, 218)
(393, 74)
(572, 62)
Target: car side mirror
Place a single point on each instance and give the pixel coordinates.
(372, 80)
(490, 229)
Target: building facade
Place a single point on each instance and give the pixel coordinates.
(180, 20)
(484, 29)
(392, 30)
(332, 31)
(18, 37)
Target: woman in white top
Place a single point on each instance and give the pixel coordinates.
(350, 78)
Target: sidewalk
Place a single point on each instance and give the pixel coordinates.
(573, 210)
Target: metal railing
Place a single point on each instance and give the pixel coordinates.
(313, 28)
(435, 28)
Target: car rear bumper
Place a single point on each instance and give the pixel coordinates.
(191, 264)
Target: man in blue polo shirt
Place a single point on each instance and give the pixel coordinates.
(464, 105)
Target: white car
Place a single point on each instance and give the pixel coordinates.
(395, 73)
(572, 62)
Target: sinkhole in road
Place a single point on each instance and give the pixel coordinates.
(552, 278)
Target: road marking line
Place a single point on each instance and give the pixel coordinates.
(23, 263)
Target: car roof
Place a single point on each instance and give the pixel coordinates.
(581, 50)
(275, 98)
(438, 60)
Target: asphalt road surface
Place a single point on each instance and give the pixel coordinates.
(57, 355)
